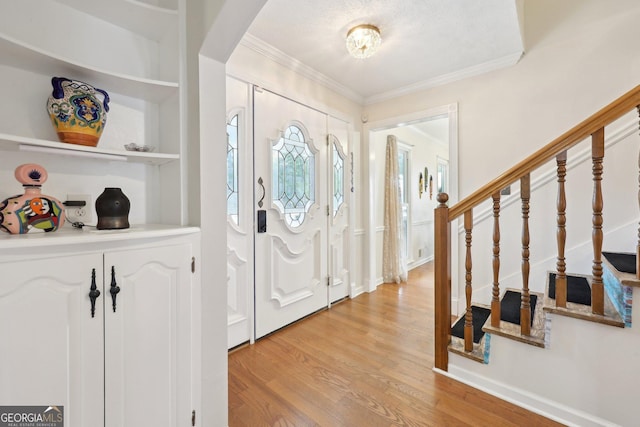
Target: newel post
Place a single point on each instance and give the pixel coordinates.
(442, 281)
(638, 245)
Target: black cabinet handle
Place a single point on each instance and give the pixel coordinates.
(114, 288)
(94, 293)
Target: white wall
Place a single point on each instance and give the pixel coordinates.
(581, 55)
(220, 24)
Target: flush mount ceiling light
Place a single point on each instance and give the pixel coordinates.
(363, 40)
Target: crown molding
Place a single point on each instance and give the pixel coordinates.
(257, 45)
(485, 67)
(270, 52)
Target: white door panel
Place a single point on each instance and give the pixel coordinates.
(340, 192)
(51, 346)
(240, 218)
(291, 256)
(147, 336)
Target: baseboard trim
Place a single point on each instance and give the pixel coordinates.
(356, 290)
(420, 262)
(534, 403)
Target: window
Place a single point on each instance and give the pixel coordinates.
(443, 175)
(232, 169)
(403, 177)
(293, 169)
(338, 177)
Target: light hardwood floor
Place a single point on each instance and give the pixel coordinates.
(365, 362)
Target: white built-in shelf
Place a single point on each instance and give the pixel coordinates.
(15, 53)
(21, 143)
(148, 20)
(89, 235)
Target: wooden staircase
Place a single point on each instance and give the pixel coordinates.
(604, 296)
(617, 304)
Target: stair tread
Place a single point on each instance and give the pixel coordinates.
(512, 330)
(622, 265)
(578, 288)
(479, 315)
(457, 346)
(581, 311)
(510, 306)
(480, 347)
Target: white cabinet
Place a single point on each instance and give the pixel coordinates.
(128, 364)
(147, 341)
(134, 366)
(51, 348)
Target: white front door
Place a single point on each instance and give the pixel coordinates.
(292, 211)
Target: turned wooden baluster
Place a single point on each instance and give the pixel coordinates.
(525, 305)
(561, 237)
(495, 297)
(468, 317)
(638, 246)
(597, 288)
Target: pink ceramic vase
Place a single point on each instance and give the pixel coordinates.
(18, 214)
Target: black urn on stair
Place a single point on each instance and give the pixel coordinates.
(112, 207)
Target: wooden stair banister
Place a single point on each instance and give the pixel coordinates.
(442, 279)
(557, 149)
(599, 120)
(638, 246)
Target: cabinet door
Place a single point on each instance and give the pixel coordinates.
(147, 337)
(51, 347)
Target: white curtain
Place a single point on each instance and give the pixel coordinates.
(394, 264)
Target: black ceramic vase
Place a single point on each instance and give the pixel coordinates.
(112, 207)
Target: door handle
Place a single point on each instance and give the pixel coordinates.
(94, 293)
(264, 192)
(114, 289)
(262, 214)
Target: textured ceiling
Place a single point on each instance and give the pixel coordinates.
(424, 42)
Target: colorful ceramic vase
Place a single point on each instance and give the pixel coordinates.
(76, 114)
(112, 207)
(18, 214)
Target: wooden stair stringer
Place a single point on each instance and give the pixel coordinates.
(512, 331)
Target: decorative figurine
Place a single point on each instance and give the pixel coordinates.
(76, 114)
(19, 214)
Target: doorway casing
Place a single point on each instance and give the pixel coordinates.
(449, 111)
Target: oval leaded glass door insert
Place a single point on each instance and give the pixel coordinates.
(293, 176)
